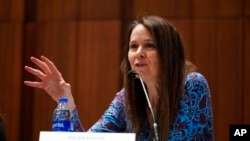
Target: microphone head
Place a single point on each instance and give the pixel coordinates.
(132, 74)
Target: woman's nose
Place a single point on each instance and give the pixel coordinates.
(140, 53)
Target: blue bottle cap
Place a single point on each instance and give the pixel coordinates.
(63, 100)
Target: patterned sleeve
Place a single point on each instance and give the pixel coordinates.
(76, 122)
(194, 120)
(114, 118)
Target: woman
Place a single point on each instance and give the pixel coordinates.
(180, 98)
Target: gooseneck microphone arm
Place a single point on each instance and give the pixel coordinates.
(135, 75)
(150, 108)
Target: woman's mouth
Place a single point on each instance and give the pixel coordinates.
(140, 65)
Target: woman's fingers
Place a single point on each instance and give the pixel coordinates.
(51, 66)
(40, 64)
(33, 84)
(35, 72)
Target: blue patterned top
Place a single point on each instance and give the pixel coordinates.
(194, 121)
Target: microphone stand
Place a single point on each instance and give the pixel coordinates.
(133, 74)
(150, 108)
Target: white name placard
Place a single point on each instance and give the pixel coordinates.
(85, 136)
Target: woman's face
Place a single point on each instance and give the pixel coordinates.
(143, 54)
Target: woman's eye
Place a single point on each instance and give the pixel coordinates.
(150, 45)
(132, 46)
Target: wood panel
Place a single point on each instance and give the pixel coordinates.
(246, 7)
(205, 57)
(169, 8)
(229, 74)
(5, 10)
(58, 42)
(232, 8)
(217, 8)
(101, 9)
(53, 31)
(204, 51)
(98, 68)
(27, 102)
(185, 29)
(11, 10)
(217, 52)
(51, 10)
(10, 74)
(246, 71)
(205, 8)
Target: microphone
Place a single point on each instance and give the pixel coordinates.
(134, 75)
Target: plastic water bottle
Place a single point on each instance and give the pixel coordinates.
(62, 117)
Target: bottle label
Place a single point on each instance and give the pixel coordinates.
(61, 125)
(62, 121)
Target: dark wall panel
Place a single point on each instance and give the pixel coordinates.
(11, 10)
(57, 41)
(246, 10)
(217, 8)
(169, 8)
(101, 9)
(53, 10)
(10, 75)
(246, 71)
(98, 68)
(63, 31)
(185, 28)
(230, 77)
(205, 57)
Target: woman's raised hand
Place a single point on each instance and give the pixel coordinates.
(51, 80)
